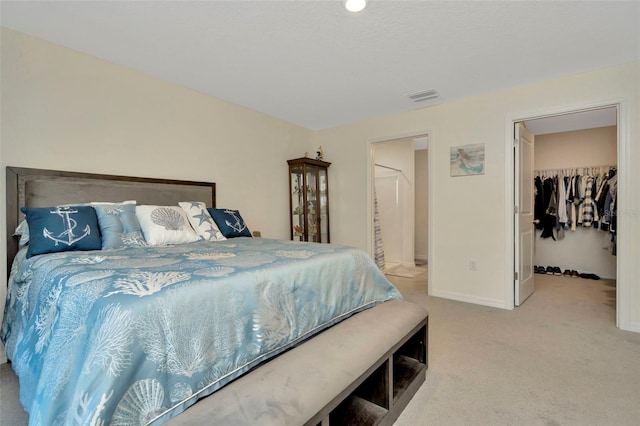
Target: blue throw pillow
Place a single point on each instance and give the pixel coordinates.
(55, 229)
(230, 223)
(119, 225)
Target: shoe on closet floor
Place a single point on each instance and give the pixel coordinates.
(557, 270)
(590, 276)
(549, 270)
(566, 273)
(574, 274)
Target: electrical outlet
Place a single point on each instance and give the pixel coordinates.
(473, 264)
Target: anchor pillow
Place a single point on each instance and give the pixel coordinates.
(230, 223)
(63, 228)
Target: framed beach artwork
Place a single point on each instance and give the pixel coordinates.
(467, 160)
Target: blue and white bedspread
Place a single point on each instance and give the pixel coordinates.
(136, 335)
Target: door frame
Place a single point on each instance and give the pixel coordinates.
(623, 263)
(370, 178)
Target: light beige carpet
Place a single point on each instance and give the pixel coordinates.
(556, 360)
(11, 412)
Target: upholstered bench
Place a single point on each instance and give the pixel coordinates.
(362, 371)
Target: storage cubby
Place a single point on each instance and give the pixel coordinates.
(375, 388)
(357, 411)
(405, 370)
(384, 392)
(409, 361)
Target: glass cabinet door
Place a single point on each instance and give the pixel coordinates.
(313, 233)
(297, 203)
(323, 200)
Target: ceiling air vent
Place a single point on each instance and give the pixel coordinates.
(423, 96)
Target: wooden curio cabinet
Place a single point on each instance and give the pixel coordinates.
(309, 200)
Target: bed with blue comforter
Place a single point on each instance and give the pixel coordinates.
(136, 335)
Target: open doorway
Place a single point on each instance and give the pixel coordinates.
(399, 205)
(576, 231)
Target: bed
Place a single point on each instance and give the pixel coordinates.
(137, 334)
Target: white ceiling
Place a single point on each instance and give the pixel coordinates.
(575, 121)
(317, 65)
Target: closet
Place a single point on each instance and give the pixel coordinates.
(575, 183)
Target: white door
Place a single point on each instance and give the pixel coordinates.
(523, 210)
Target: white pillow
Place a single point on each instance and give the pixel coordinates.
(22, 231)
(165, 225)
(201, 221)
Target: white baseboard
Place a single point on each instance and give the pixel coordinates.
(422, 258)
(494, 303)
(632, 326)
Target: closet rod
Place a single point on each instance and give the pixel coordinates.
(566, 170)
(387, 167)
(575, 167)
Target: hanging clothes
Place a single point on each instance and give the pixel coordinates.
(589, 212)
(603, 188)
(574, 201)
(582, 198)
(551, 201)
(562, 201)
(539, 206)
(613, 228)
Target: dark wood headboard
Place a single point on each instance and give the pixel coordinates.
(44, 188)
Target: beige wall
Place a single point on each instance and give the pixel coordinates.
(471, 217)
(65, 110)
(582, 249)
(422, 204)
(590, 147)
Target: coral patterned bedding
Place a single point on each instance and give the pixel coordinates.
(137, 335)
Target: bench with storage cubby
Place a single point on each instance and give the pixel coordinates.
(362, 371)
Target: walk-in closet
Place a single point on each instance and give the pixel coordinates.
(575, 183)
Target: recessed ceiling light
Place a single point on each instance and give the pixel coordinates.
(355, 5)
